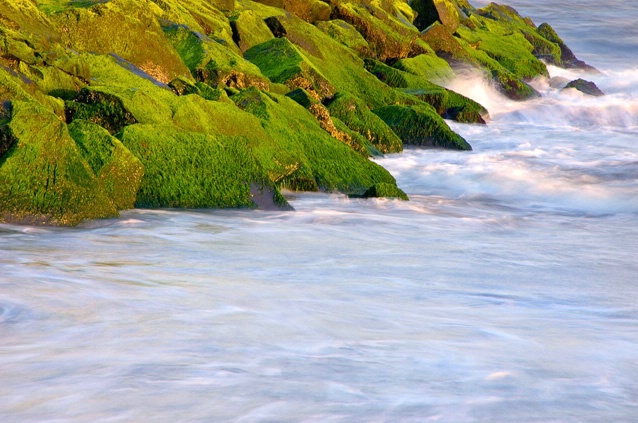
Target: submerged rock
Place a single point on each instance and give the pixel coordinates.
(383, 190)
(586, 87)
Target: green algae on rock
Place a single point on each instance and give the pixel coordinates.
(418, 125)
(43, 176)
(192, 170)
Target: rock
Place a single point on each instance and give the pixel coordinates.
(282, 62)
(308, 10)
(358, 117)
(389, 37)
(113, 164)
(383, 190)
(586, 87)
(93, 29)
(212, 62)
(428, 66)
(420, 125)
(43, 177)
(193, 170)
(322, 114)
(249, 29)
(430, 11)
(321, 161)
(347, 35)
(103, 109)
(447, 103)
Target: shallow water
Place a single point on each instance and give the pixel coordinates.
(504, 291)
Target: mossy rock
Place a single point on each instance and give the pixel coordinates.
(324, 162)
(420, 125)
(430, 11)
(339, 130)
(127, 28)
(507, 46)
(282, 62)
(212, 62)
(113, 164)
(336, 63)
(43, 176)
(387, 32)
(462, 52)
(427, 66)
(193, 170)
(103, 109)
(356, 115)
(447, 103)
(383, 190)
(309, 10)
(347, 35)
(586, 87)
(249, 30)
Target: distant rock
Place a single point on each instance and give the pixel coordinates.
(586, 87)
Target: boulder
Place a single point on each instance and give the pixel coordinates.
(430, 11)
(586, 87)
(43, 176)
(447, 103)
(194, 170)
(308, 10)
(212, 62)
(419, 125)
(249, 29)
(322, 114)
(283, 62)
(113, 164)
(323, 162)
(356, 115)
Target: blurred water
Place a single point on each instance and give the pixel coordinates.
(504, 291)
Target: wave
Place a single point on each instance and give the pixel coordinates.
(558, 107)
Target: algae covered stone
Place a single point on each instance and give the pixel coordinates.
(43, 176)
(418, 125)
(113, 164)
(192, 170)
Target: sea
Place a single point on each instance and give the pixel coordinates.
(505, 290)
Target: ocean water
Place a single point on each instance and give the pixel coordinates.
(506, 290)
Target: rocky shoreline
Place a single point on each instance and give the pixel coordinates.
(110, 105)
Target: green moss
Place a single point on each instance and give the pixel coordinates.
(192, 170)
(509, 48)
(347, 35)
(284, 63)
(43, 177)
(447, 103)
(357, 116)
(139, 37)
(113, 164)
(323, 162)
(249, 30)
(388, 33)
(212, 62)
(427, 66)
(420, 125)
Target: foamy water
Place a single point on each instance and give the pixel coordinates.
(504, 291)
